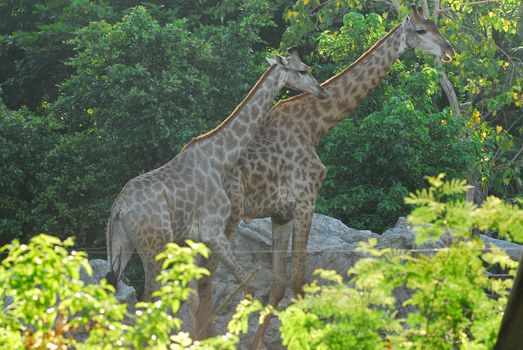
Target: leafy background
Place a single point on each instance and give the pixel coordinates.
(94, 93)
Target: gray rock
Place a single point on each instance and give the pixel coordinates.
(124, 293)
(332, 245)
(512, 249)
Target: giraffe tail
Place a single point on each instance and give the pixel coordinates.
(113, 275)
(115, 263)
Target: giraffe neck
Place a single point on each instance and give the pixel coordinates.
(225, 143)
(347, 89)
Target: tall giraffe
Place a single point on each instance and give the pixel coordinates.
(279, 174)
(185, 198)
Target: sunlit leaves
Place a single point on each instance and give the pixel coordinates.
(46, 299)
(239, 321)
(488, 70)
(448, 300)
(47, 306)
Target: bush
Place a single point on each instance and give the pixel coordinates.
(397, 134)
(48, 307)
(24, 139)
(452, 303)
(389, 151)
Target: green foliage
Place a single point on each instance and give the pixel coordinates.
(49, 307)
(486, 74)
(138, 91)
(451, 302)
(33, 45)
(24, 137)
(335, 317)
(48, 301)
(358, 31)
(309, 17)
(494, 214)
(388, 151)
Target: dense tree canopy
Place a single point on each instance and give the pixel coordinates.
(95, 92)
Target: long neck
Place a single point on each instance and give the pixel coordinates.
(347, 89)
(225, 143)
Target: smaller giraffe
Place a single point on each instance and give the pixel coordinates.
(185, 199)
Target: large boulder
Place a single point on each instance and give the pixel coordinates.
(124, 292)
(332, 245)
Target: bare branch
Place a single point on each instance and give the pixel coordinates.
(513, 160)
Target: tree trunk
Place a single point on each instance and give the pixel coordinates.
(510, 335)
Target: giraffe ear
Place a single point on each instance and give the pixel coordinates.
(293, 52)
(277, 60)
(408, 21)
(271, 61)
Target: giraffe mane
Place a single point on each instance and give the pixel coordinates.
(337, 76)
(233, 115)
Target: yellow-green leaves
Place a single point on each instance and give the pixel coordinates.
(447, 299)
(239, 321)
(46, 302)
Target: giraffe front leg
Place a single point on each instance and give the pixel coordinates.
(222, 248)
(205, 312)
(302, 226)
(205, 287)
(281, 232)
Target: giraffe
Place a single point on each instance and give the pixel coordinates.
(279, 174)
(185, 198)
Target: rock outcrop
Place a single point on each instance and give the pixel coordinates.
(332, 245)
(124, 292)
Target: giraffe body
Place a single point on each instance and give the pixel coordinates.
(181, 200)
(185, 198)
(279, 174)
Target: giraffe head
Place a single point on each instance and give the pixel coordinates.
(296, 74)
(422, 34)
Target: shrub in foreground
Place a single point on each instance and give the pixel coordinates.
(452, 302)
(47, 306)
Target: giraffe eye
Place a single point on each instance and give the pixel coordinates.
(421, 31)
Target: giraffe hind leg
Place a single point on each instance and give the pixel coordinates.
(281, 233)
(157, 239)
